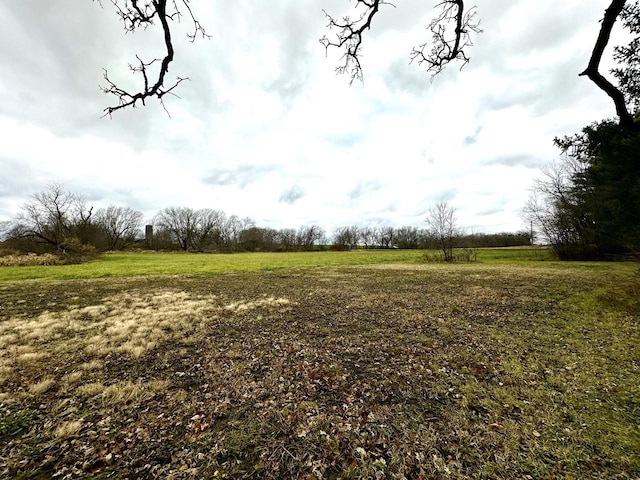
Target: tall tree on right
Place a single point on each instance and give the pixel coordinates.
(588, 205)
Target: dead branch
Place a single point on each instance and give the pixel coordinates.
(349, 37)
(135, 16)
(446, 48)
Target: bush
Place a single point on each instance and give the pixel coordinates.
(74, 251)
(460, 255)
(30, 260)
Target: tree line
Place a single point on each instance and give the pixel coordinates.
(58, 221)
(587, 204)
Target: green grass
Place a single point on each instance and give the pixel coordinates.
(145, 264)
(12, 423)
(136, 264)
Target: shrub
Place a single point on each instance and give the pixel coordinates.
(459, 255)
(30, 260)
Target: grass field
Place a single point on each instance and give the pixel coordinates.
(322, 365)
(146, 264)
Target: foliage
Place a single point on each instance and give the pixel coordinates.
(588, 205)
(13, 423)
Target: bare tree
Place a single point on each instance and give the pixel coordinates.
(367, 236)
(442, 223)
(52, 217)
(445, 47)
(384, 236)
(287, 238)
(561, 219)
(307, 236)
(180, 222)
(120, 225)
(232, 231)
(193, 229)
(346, 238)
(407, 237)
(208, 228)
(349, 36)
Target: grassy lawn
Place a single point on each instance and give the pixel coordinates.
(146, 264)
(324, 365)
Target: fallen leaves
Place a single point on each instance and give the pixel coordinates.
(325, 374)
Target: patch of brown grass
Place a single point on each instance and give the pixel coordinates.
(67, 429)
(30, 260)
(42, 386)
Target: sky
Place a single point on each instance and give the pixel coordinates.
(265, 128)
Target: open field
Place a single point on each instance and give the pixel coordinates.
(370, 368)
(145, 264)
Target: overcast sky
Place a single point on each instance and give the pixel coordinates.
(265, 128)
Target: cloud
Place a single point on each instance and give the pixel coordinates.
(291, 195)
(516, 160)
(489, 212)
(473, 138)
(401, 76)
(238, 176)
(365, 188)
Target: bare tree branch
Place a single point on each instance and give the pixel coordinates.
(592, 70)
(135, 16)
(629, 56)
(349, 36)
(446, 48)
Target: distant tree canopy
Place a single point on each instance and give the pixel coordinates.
(452, 31)
(58, 221)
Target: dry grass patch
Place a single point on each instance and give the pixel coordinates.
(72, 378)
(42, 386)
(30, 260)
(124, 393)
(91, 389)
(31, 358)
(5, 372)
(130, 323)
(67, 429)
(244, 305)
(92, 365)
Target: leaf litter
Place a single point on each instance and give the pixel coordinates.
(323, 373)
